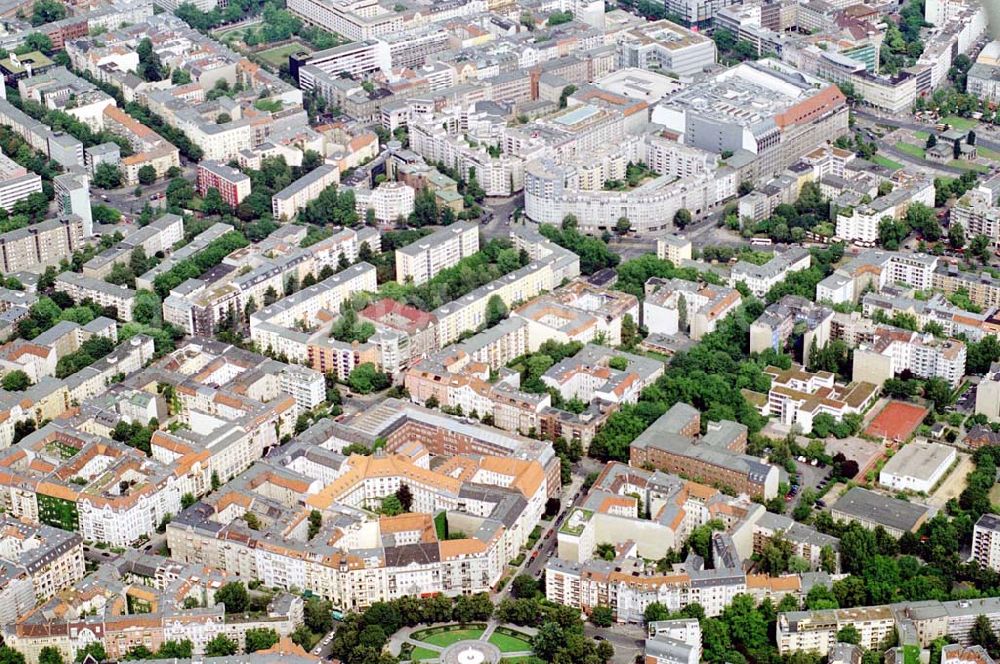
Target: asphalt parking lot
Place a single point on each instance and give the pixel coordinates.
(966, 402)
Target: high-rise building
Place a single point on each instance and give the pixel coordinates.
(233, 185)
(73, 197)
(423, 259)
(986, 541)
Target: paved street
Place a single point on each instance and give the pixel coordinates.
(125, 201)
(628, 640)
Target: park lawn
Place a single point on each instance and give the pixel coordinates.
(921, 135)
(962, 124)
(279, 55)
(995, 494)
(910, 149)
(969, 165)
(986, 153)
(224, 35)
(423, 653)
(508, 643)
(445, 639)
(888, 163)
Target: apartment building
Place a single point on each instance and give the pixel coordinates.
(673, 642)
(775, 326)
(761, 278)
(306, 386)
(505, 497)
(797, 396)
(73, 197)
(96, 507)
(578, 311)
(150, 148)
(976, 212)
(59, 89)
(550, 265)
(861, 222)
(816, 631)
(986, 542)
(695, 308)
(232, 184)
(893, 351)
(275, 326)
(138, 601)
(401, 423)
(752, 534)
(286, 203)
(875, 269)
(418, 262)
(62, 148)
(45, 243)
(358, 59)
(16, 183)
(419, 327)
(67, 337)
(38, 562)
(673, 248)
(390, 201)
(105, 153)
(101, 292)
(197, 243)
(920, 623)
(614, 511)
(628, 588)
(672, 444)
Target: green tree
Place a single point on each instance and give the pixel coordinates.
(107, 176)
(234, 596)
(980, 248)
(496, 310)
(47, 11)
(405, 496)
(95, 650)
(682, 218)
(391, 506)
(260, 638)
(50, 655)
(564, 96)
(221, 646)
(601, 616)
(982, 634)
(655, 611)
(213, 203)
(849, 634)
(956, 235)
(315, 523)
(16, 381)
(146, 175)
(365, 378)
(175, 650)
(319, 615)
(524, 586)
(605, 550)
(630, 332)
